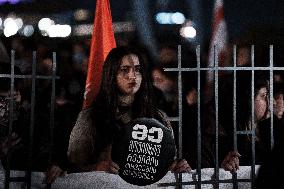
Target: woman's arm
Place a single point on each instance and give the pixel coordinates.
(81, 141)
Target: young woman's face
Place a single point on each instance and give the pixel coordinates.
(261, 104)
(129, 77)
(278, 106)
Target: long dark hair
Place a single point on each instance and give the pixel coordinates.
(244, 103)
(106, 103)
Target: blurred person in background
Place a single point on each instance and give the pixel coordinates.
(165, 88)
(265, 125)
(230, 159)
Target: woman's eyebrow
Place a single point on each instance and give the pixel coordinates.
(125, 66)
(129, 66)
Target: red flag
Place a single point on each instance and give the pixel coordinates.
(102, 42)
(219, 39)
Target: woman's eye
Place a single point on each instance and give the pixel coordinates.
(264, 96)
(124, 70)
(137, 69)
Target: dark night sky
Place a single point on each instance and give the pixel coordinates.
(241, 15)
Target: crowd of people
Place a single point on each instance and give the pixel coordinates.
(132, 86)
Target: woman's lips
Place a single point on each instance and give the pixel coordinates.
(133, 84)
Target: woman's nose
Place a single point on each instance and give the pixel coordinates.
(132, 74)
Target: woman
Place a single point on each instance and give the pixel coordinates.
(245, 122)
(125, 94)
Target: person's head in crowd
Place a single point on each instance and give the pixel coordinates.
(162, 80)
(125, 81)
(191, 96)
(278, 76)
(278, 101)
(79, 57)
(45, 63)
(243, 56)
(84, 67)
(168, 57)
(243, 53)
(244, 104)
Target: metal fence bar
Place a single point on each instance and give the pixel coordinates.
(27, 76)
(198, 121)
(174, 119)
(216, 119)
(271, 95)
(234, 174)
(31, 129)
(222, 69)
(213, 182)
(52, 102)
(11, 107)
(252, 119)
(179, 112)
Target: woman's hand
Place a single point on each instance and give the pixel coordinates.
(231, 162)
(4, 146)
(107, 166)
(180, 166)
(52, 173)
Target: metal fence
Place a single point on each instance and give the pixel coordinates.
(215, 181)
(198, 182)
(33, 77)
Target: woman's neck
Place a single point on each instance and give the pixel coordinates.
(125, 100)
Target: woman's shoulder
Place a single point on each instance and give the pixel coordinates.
(85, 115)
(84, 123)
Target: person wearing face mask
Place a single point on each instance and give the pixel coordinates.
(125, 94)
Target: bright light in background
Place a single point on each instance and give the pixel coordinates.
(45, 23)
(1, 22)
(7, 20)
(170, 18)
(187, 30)
(178, 18)
(81, 14)
(19, 23)
(163, 18)
(59, 30)
(10, 27)
(28, 30)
